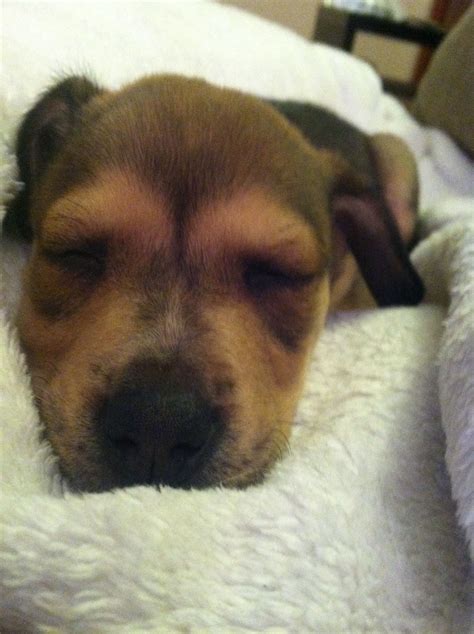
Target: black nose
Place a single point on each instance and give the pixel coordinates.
(157, 428)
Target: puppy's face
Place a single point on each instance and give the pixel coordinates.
(185, 239)
(178, 280)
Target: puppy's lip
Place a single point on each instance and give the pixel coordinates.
(207, 477)
(94, 477)
(242, 482)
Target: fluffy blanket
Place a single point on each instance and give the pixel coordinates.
(366, 525)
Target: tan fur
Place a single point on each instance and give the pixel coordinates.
(74, 358)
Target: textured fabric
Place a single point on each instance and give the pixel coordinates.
(356, 529)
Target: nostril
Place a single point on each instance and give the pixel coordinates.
(125, 445)
(182, 460)
(181, 453)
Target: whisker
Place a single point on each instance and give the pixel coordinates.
(279, 446)
(237, 476)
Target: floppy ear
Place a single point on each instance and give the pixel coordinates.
(368, 213)
(39, 139)
(374, 198)
(398, 175)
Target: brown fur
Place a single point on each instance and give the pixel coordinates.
(178, 187)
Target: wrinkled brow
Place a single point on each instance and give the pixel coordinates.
(62, 225)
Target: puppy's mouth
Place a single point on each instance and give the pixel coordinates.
(109, 464)
(156, 426)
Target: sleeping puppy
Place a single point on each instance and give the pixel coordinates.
(187, 244)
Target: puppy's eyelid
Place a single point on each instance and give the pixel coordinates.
(261, 276)
(69, 254)
(89, 258)
(93, 247)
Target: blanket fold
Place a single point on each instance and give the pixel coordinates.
(446, 261)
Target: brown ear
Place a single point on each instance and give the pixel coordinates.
(366, 212)
(374, 198)
(398, 176)
(40, 137)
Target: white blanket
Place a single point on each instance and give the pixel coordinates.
(356, 529)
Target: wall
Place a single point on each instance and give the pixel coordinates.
(391, 58)
(298, 15)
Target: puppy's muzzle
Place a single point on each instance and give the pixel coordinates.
(157, 428)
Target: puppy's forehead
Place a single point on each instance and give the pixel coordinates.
(254, 223)
(168, 157)
(193, 142)
(119, 205)
(114, 203)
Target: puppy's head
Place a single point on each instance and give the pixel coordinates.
(179, 276)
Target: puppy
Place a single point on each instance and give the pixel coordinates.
(187, 244)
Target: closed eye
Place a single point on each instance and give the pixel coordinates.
(261, 276)
(90, 260)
